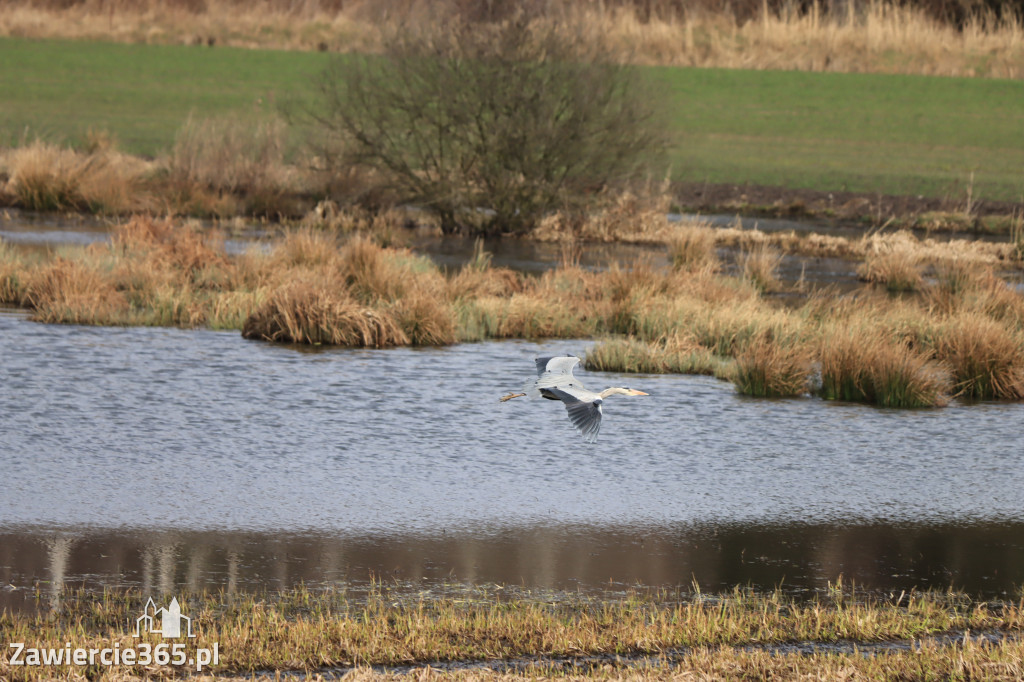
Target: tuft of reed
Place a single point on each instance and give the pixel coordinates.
(371, 273)
(771, 368)
(759, 266)
(533, 316)
(986, 359)
(473, 283)
(676, 354)
(224, 167)
(621, 215)
(46, 177)
(12, 272)
(426, 318)
(897, 270)
(70, 292)
(692, 247)
(305, 313)
(865, 364)
(1017, 236)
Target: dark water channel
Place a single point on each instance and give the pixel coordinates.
(164, 458)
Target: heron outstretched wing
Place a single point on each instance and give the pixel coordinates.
(585, 415)
(555, 372)
(556, 381)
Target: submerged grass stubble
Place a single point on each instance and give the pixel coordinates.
(303, 630)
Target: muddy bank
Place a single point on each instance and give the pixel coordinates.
(867, 208)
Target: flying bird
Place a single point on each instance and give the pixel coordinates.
(556, 382)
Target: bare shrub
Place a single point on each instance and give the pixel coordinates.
(513, 118)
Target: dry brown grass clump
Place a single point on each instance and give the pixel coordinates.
(216, 168)
(986, 358)
(676, 354)
(965, 288)
(631, 216)
(770, 367)
(47, 177)
(228, 167)
(304, 313)
(887, 37)
(692, 247)
(893, 265)
(759, 266)
(12, 269)
(71, 292)
(860, 363)
(474, 283)
(427, 318)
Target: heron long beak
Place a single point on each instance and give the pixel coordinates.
(633, 391)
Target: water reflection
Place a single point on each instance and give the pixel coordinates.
(982, 559)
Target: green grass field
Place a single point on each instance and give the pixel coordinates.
(825, 131)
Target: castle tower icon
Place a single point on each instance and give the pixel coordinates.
(166, 622)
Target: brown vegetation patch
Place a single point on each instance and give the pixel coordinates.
(986, 358)
(961, 334)
(304, 313)
(928, 37)
(770, 367)
(46, 177)
(865, 364)
(70, 292)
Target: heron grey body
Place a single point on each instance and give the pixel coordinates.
(555, 381)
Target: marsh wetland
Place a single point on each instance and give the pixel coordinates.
(158, 458)
(262, 376)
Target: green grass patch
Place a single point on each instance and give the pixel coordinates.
(892, 134)
(827, 131)
(141, 94)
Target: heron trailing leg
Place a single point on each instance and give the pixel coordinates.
(509, 396)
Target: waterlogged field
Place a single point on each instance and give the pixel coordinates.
(320, 508)
(486, 633)
(867, 133)
(385, 498)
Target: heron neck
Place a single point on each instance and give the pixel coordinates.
(612, 391)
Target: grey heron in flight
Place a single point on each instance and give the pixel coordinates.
(556, 382)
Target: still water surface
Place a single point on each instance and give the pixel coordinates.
(157, 458)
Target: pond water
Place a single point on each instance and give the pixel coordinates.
(163, 458)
